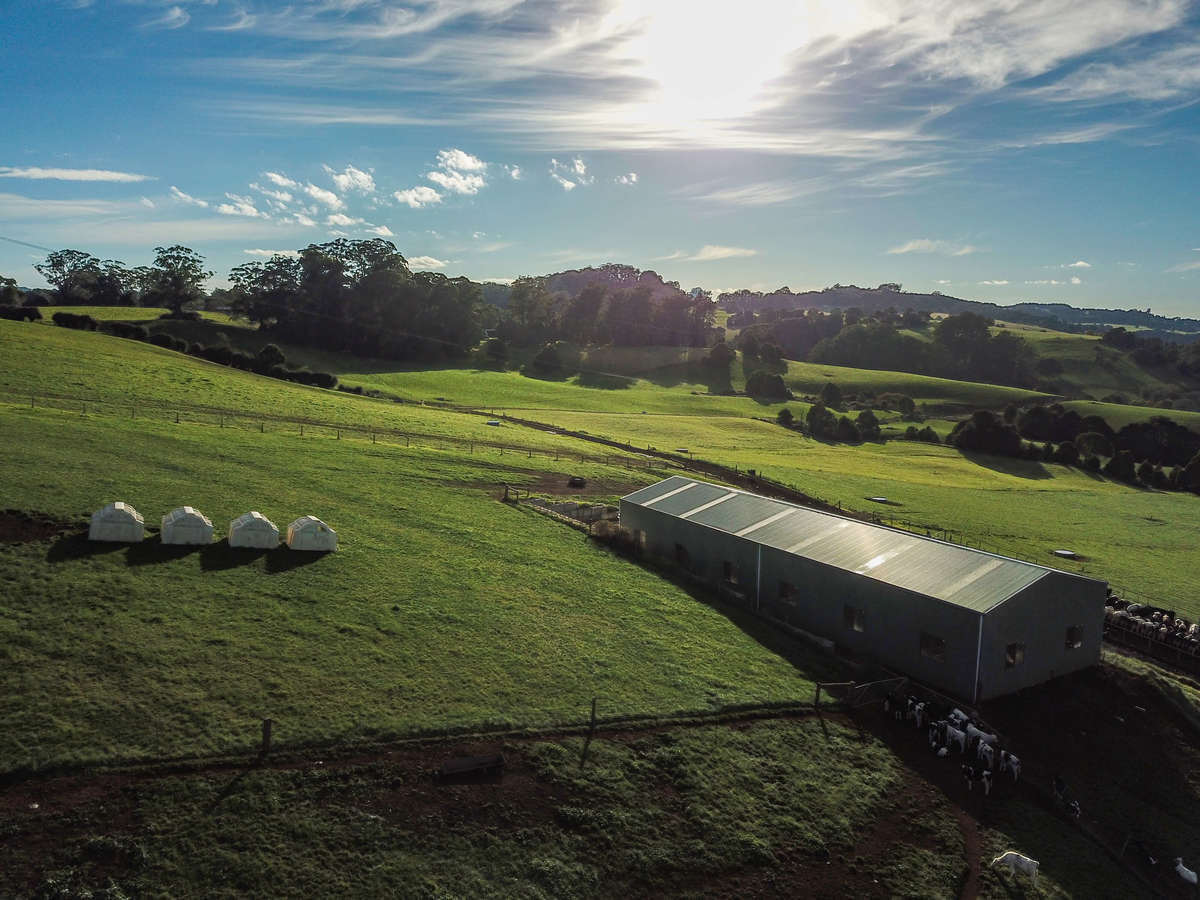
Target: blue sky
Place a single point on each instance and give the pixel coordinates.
(991, 149)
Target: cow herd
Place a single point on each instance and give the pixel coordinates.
(1155, 623)
(949, 727)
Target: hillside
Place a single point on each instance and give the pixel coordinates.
(436, 618)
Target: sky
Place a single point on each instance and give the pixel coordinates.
(990, 149)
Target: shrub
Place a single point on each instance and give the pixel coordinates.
(868, 425)
(767, 384)
(1067, 453)
(75, 320)
(785, 418)
(271, 355)
(847, 431)
(831, 395)
(821, 422)
(901, 403)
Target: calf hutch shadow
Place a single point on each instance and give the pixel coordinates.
(219, 556)
(77, 546)
(153, 550)
(284, 559)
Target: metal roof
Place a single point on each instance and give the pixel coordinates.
(972, 579)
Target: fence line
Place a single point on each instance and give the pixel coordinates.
(250, 420)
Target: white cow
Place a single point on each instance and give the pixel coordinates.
(986, 754)
(1010, 763)
(1018, 862)
(974, 733)
(1184, 872)
(954, 736)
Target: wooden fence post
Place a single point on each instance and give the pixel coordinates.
(261, 427)
(591, 733)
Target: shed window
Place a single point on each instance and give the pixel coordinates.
(1074, 637)
(682, 557)
(639, 539)
(731, 572)
(787, 592)
(1014, 655)
(933, 647)
(854, 617)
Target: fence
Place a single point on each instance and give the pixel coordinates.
(262, 422)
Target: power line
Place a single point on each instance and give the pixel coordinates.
(26, 244)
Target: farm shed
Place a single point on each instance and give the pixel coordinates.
(310, 533)
(118, 521)
(253, 529)
(186, 525)
(974, 624)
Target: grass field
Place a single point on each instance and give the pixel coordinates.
(141, 314)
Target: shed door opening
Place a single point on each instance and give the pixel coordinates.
(1074, 637)
(933, 647)
(1014, 655)
(854, 617)
(787, 592)
(731, 572)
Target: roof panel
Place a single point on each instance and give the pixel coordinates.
(959, 575)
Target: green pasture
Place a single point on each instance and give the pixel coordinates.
(443, 608)
(1118, 415)
(140, 314)
(1137, 539)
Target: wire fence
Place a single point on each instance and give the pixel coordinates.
(275, 423)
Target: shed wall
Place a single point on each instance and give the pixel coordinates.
(1038, 618)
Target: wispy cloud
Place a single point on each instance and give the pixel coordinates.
(424, 263)
(711, 252)
(1078, 264)
(342, 220)
(761, 193)
(280, 180)
(172, 17)
(418, 197)
(1185, 267)
(260, 252)
(456, 182)
(186, 198)
(994, 282)
(572, 174)
(329, 198)
(240, 206)
(930, 245)
(39, 174)
(629, 179)
(380, 231)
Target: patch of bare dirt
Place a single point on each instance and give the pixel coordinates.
(20, 527)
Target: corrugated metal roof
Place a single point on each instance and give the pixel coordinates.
(962, 576)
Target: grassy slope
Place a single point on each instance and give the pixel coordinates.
(142, 314)
(1135, 538)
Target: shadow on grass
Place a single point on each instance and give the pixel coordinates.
(218, 556)
(284, 559)
(77, 546)
(1021, 468)
(605, 382)
(153, 550)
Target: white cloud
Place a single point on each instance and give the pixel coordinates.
(579, 167)
(1078, 264)
(928, 245)
(16, 208)
(418, 197)
(302, 219)
(631, 178)
(1185, 267)
(514, 172)
(1075, 279)
(147, 202)
(39, 174)
(342, 219)
(351, 179)
(710, 252)
(576, 169)
(380, 230)
(241, 206)
(459, 161)
(329, 198)
(497, 280)
(995, 282)
(174, 17)
(258, 252)
(1046, 281)
(281, 180)
(678, 254)
(456, 182)
(566, 184)
(186, 198)
(424, 263)
(283, 197)
(942, 281)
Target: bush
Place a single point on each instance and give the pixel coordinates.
(20, 313)
(785, 418)
(831, 395)
(985, 432)
(1067, 453)
(847, 431)
(766, 384)
(1093, 443)
(868, 425)
(901, 403)
(821, 422)
(74, 320)
(720, 356)
(271, 355)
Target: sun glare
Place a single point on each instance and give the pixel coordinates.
(710, 63)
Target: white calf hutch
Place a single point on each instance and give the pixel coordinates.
(310, 533)
(186, 525)
(118, 521)
(253, 530)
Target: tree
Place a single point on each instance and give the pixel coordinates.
(271, 355)
(985, 432)
(72, 274)
(720, 356)
(785, 418)
(831, 395)
(177, 278)
(820, 421)
(1093, 443)
(1067, 454)
(10, 294)
(496, 351)
(847, 431)
(766, 384)
(868, 425)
